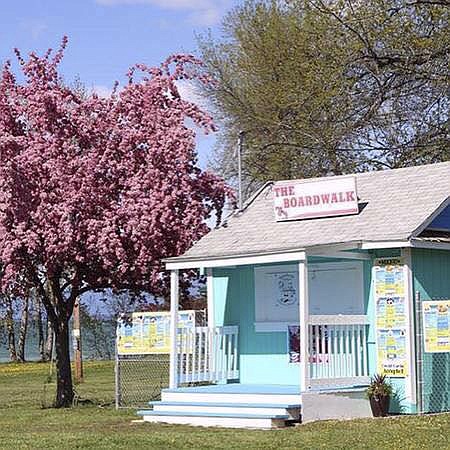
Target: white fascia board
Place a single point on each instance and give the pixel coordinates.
(384, 244)
(238, 260)
(414, 243)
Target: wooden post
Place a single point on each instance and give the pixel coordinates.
(304, 324)
(77, 343)
(174, 290)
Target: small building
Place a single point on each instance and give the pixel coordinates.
(314, 287)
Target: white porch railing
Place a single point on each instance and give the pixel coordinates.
(208, 354)
(338, 350)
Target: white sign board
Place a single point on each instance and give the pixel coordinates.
(318, 198)
(276, 293)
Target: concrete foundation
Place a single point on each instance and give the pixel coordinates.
(334, 405)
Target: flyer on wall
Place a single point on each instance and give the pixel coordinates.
(391, 323)
(436, 326)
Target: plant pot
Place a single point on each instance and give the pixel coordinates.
(379, 404)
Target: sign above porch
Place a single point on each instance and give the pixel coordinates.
(312, 199)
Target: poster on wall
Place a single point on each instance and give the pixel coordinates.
(391, 323)
(436, 326)
(389, 277)
(148, 332)
(391, 312)
(392, 352)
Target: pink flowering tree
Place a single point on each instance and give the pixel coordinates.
(94, 192)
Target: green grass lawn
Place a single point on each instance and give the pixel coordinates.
(25, 424)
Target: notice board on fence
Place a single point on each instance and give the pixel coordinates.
(436, 326)
(143, 333)
(391, 324)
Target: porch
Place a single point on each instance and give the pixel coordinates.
(337, 349)
(287, 341)
(297, 319)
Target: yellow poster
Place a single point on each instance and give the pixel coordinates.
(391, 359)
(436, 326)
(148, 332)
(391, 323)
(389, 277)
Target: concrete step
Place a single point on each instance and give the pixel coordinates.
(268, 409)
(227, 420)
(253, 397)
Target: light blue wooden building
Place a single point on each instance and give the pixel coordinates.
(303, 311)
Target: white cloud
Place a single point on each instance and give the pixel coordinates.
(35, 27)
(200, 12)
(206, 17)
(102, 91)
(188, 91)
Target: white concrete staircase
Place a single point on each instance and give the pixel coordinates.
(236, 406)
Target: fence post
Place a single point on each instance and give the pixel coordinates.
(117, 374)
(174, 287)
(419, 354)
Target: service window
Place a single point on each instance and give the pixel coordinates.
(334, 288)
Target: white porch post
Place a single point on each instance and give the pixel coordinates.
(304, 324)
(174, 288)
(411, 378)
(210, 296)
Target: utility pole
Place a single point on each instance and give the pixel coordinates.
(239, 155)
(77, 343)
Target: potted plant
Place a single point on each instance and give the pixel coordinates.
(379, 393)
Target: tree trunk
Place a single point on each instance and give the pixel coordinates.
(48, 355)
(40, 329)
(64, 390)
(59, 310)
(23, 331)
(10, 329)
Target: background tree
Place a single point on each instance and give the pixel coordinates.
(94, 192)
(25, 303)
(329, 87)
(7, 302)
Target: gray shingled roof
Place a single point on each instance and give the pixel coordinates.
(397, 202)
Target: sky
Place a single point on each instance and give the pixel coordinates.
(106, 37)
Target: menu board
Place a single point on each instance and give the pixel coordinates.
(148, 332)
(436, 326)
(391, 329)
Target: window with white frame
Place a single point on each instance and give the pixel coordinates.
(334, 288)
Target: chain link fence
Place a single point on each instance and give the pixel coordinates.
(140, 379)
